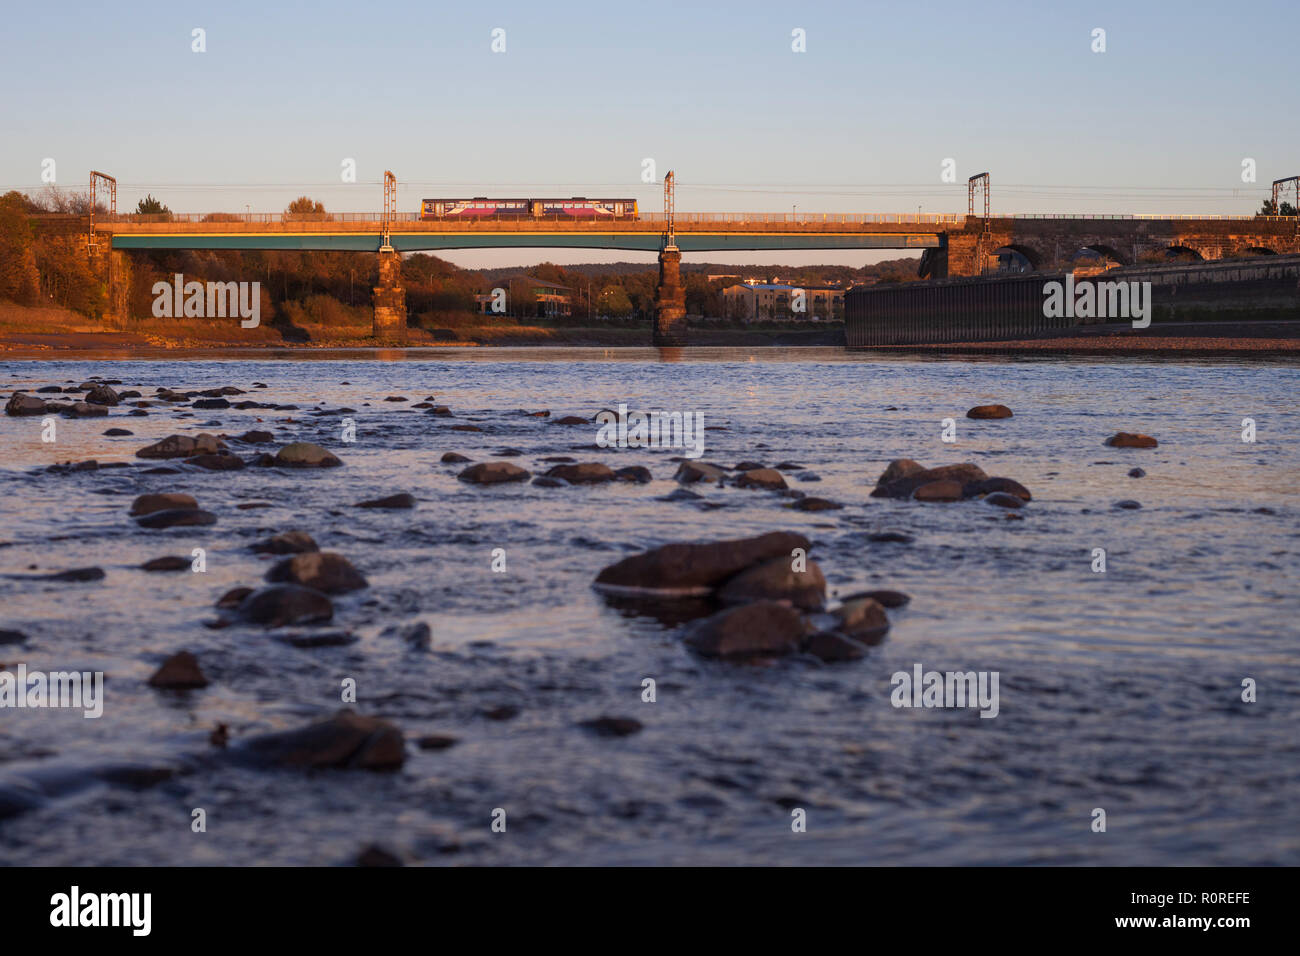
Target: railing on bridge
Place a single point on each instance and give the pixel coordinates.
(653, 217)
(803, 218)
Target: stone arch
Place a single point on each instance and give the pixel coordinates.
(1258, 251)
(1020, 257)
(1107, 251)
(1179, 251)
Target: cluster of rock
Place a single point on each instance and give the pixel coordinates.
(905, 478)
(210, 452)
(577, 473)
(772, 596)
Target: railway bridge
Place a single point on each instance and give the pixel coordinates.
(951, 245)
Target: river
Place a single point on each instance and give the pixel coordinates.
(1119, 690)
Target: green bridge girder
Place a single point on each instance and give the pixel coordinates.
(431, 241)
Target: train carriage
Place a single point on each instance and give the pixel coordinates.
(575, 207)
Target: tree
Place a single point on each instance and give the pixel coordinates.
(1270, 209)
(148, 206)
(18, 275)
(614, 301)
(305, 205)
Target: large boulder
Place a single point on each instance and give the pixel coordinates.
(765, 628)
(102, 395)
(326, 571)
(697, 568)
(282, 604)
(775, 580)
(493, 472)
(303, 454)
(23, 404)
(345, 740)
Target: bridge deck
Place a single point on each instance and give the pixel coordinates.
(693, 235)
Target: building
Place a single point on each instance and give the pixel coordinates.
(770, 301)
(530, 297)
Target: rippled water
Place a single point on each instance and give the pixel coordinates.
(1118, 690)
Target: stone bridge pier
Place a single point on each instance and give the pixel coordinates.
(390, 299)
(670, 299)
(114, 270)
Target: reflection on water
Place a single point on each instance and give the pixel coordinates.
(1119, 690)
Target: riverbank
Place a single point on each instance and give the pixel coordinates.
(38, 329)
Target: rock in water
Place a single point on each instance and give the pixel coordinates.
(179, 672)
(586, 473)
(148, 504)
(697, 568)
(831, 647)
(290, 542)
(346, 740)
(816, 504)
(402, 500)
(776, 581)
(989, 411)
(23, 404)
(1004, 500)
(765, 628)
(1131, 440)
(638, 473)
(862, 619)
(303, 454)
(102, 395)
(325, 571)
(899, 468)
(169, 563)
(283, 604)
(613, 726)
(692, 471)
(182, 446)
(493, 472)
(176, 518)
(943, 490)
(883, 597)
(990, 485)
(903, 485)
(768, 478)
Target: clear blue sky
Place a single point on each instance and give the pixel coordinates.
(862, 121)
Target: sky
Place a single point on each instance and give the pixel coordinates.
(861, 120)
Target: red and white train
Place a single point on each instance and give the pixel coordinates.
(480, 207)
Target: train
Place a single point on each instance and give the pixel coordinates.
(481, 207)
